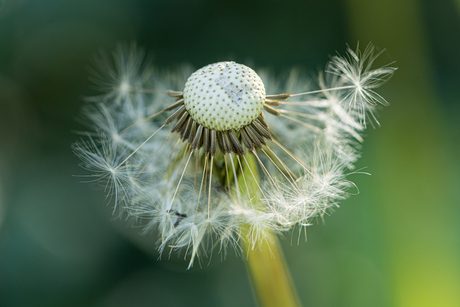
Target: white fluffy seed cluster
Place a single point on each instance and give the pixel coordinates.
(193, 202)
(224, 96)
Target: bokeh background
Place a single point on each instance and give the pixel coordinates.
(395, 244)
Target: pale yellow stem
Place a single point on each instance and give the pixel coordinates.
(270, 278)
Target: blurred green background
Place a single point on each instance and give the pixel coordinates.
(395, 244)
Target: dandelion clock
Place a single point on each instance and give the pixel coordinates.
(229, 157)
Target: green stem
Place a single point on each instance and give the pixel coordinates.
(270, 276)
(266, 266)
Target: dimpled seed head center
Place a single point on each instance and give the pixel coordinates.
(224, 96)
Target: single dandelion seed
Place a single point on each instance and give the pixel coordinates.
(224, 156)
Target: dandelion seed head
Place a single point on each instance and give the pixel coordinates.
(208, 158)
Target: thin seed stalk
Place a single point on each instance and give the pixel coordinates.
(266, 266)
